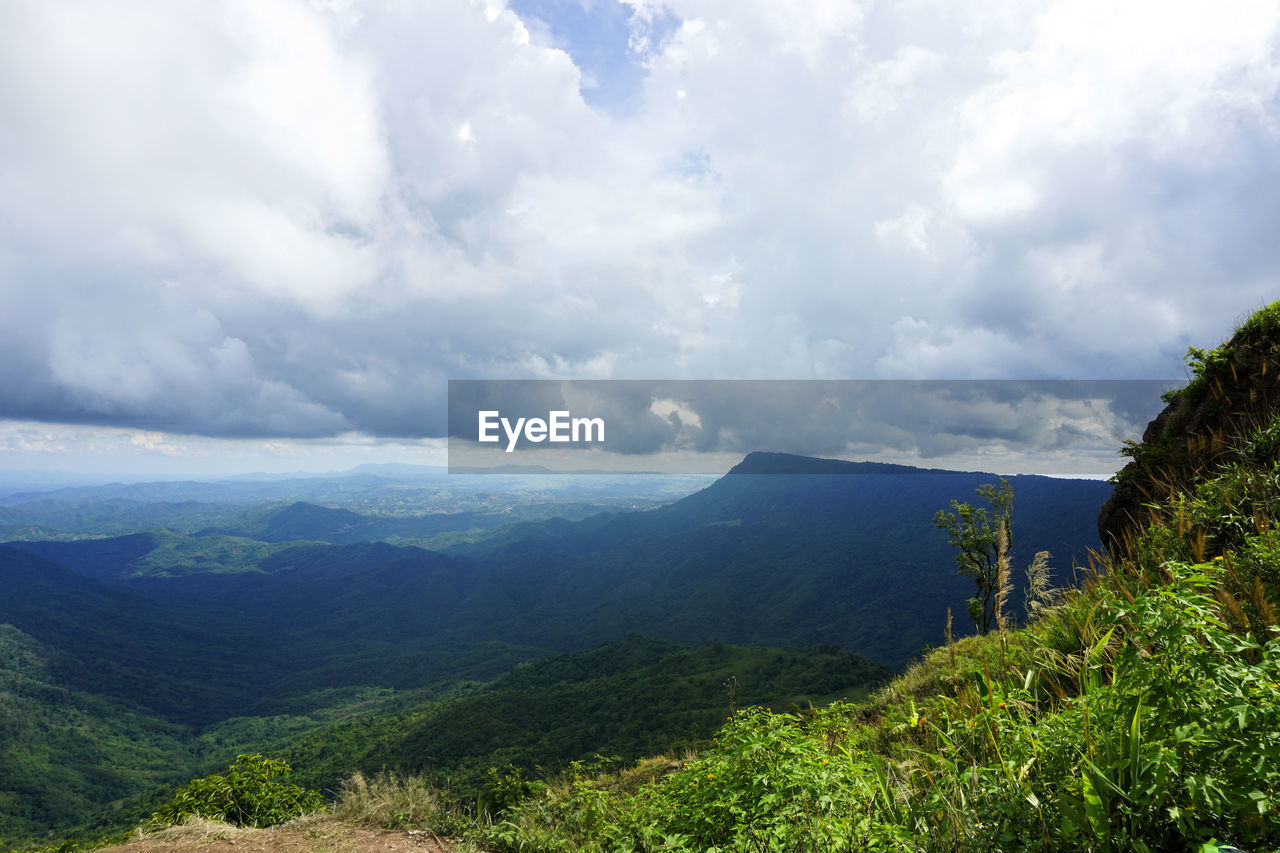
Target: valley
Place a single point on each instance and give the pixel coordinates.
(557, 620)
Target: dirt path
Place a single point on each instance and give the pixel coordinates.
(308, 835)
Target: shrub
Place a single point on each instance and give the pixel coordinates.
(248, 794)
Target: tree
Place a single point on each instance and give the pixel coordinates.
(975, 533)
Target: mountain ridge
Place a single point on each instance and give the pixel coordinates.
(771, 462)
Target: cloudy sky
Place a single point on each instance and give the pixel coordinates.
(248, 234)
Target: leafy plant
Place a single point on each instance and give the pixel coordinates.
(508, 788)
(248, 794)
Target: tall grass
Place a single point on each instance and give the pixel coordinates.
(391, 800)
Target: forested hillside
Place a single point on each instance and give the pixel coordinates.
(204, 644)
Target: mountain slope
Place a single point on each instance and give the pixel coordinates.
(197, 630)
(65, 752)
(627, 698)
(848, 559)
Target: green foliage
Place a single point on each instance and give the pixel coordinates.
(1170, 737)
(1206, 366)
(508, 787)
(1190, 741)
(64, 751)
(248, 794)
(570, 815)
(631, 698)
(770, 782)
(974, 532)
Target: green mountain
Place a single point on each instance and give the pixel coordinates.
(240, 643)
(849, 559)
(71, 758)
(66, 754)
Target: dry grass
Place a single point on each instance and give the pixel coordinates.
(194, 830)
(314, 833)
(390, 799)
(632, 779)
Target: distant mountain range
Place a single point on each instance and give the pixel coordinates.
(841, 553)
(287, 607)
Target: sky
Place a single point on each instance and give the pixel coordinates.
(264, 234)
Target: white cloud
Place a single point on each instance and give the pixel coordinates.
(890, 86)
(138, 454)
(1174, 80)
(280, 217)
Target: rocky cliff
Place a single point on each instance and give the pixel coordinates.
(1233, 397)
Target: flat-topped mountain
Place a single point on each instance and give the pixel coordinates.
(761, 462)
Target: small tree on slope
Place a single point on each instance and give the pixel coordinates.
(975, 533)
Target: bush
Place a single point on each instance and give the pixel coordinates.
(248, 794)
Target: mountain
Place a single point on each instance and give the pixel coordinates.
(851, 559)
(301, 520)
(64, 752)
(200, 631)
(762, 558)
(121, 643)
(393, 502)
(1226, 413)
(760, 462)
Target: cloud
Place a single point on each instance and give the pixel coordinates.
(950, 424)
(280, 218)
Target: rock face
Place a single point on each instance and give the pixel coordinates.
(1235, 394)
